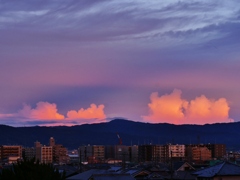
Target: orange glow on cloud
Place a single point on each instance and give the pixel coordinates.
(210, 110)
(171, 108)
(93, 112)
(43, 111)
(48, 111)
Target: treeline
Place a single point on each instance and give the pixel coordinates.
(31, 170)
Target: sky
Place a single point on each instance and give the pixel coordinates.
(90, 61)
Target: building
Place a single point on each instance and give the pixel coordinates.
(73, 158)
(28, 153)
(218, 151)
(198, 154)
(151, 153)
(44, 154)
(98, 151)
(133, 153)
(182, 166)
(10, 152)
(92, 154)
(121, 153)
(84, 153)
(108, 176)
(51, 141)
(59, 152)
(175, 152)
(222, 171)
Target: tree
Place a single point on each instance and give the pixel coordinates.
(31, 170)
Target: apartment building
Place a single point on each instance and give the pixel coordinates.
(198, 154)
(44, 153)
(152, 153)
(28, 153)
(59, 152)
(92, 153)
(175, 151)
(121, 153)
(10, 154)
(217, 150)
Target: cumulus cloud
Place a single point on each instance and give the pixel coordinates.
(43, 111)
(46, 114)
(168, 107)
(93, 112)
(172, 108)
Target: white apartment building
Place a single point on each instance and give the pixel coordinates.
(176, 150)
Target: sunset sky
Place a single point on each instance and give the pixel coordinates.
(74, 62)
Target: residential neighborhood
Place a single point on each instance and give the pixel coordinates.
(148, 161)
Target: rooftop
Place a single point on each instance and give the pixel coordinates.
(222, 169)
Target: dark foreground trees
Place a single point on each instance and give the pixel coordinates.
(29, 170)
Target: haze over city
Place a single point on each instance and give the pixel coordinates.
(76, 62)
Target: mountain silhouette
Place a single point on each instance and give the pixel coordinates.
(131, 133)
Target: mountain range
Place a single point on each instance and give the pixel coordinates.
(131, 133)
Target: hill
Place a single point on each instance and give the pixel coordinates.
(131, 133)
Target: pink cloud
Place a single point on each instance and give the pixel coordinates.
(171, 108)
(93, 112)
(46, 114)
(6, 115)
(43, 111)
(209, 110)
(167, 107)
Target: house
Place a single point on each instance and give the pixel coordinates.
(182, 166)
(222, 171)
(180, 175)
(111, 176)
(138, 173)
(87, 174)
(155, 176)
